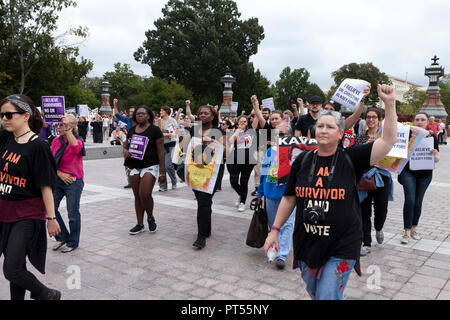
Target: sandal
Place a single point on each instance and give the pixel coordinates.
(58, 245)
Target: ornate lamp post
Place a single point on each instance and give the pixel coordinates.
(433, 105)
(105, 108)
(228, 80)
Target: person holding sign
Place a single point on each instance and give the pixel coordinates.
(26, 198)
(322, 184)
(144, 155)
(209, 132)
(380, 189)
(169, 127)
(416, 181)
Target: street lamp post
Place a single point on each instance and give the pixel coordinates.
(105, 107)
(228, 80)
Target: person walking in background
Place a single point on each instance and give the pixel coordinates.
(169, 127)
(241, 145)
(415, 184)
(383, 192)
(28, 200)
(146, 164)
(68, 149)
(97, 127)
(82, 127)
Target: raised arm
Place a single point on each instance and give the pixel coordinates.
(351, 120)
(301, 106)
(388, 139)
(188, 111)
(258, 114)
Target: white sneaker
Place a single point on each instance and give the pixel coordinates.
(238, 201)
(241, 207)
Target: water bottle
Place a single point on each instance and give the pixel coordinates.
(272, 253)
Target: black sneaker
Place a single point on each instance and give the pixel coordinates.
(50, 294)
(137, 229)
(280, 264)
(128, 186)
(200, 243)
(151, 225)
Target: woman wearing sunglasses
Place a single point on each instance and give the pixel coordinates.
(322, 184)
(28, 174)
(68, 149)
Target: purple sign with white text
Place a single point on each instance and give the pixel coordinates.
(53, 108)
(138, 145)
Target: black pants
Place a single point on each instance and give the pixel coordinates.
(204, 208)
(14, 265)
(239, 176)
(380, 198)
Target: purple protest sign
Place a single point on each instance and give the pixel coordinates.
(138, 145)
(53, 108)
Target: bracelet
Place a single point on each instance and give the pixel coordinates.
(275, 228)
(51, 218)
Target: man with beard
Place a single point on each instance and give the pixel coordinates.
(305, 126)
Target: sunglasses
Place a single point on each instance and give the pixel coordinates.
(9, 115)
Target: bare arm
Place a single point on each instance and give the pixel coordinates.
(258, 114)
(301, 106)
(52, 225)
(382, 146)
(161, 160)
(188, 110)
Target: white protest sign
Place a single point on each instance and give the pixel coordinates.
(400, 149)
(350, 93)
(83, 110)
(234, 106)
(422, 158)
(268, 103)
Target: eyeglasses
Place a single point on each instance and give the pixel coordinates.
(372, 117)
(9, 115)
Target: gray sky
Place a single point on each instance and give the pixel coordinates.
(397, 36)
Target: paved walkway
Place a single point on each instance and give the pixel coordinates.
(110, 264)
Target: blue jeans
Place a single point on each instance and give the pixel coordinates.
(414, 190)
(332, 282)
(73, 195)
(285, 235)
(169, 167)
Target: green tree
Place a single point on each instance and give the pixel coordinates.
(365, 71)
(444, 84)
(415, 98)
(26, 29)
(196, 41)
(292, 85)
(125, 83)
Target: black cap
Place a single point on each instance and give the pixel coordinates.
(315, 99)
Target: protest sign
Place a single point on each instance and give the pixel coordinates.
(289, 148)
(268, 103)
(54, 108)
(83, 110)
(400, 149)
(395, 164)
(234, 106)
(203, 165)
(350, 93)
(138, 145)
(422, 158)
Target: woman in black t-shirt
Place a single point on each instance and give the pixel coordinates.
(415, 184)
(241, 150)
(27, 176)
(322, 184)
(144, 156)
(209, 132)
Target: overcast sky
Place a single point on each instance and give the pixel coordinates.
(397, 36)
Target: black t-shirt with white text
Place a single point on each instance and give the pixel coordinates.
(340, 235)
(25, 168)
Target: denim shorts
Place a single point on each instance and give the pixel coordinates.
(154, 170)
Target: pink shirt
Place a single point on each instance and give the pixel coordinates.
(72, 159)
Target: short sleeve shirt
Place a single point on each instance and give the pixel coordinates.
(306, 123)
(340, 234)
(150, 154)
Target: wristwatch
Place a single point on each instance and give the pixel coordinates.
(51, 218)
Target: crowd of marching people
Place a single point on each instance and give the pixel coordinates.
(323, 211)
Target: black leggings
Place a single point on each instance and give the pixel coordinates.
(380, 198)
(239, 176)
(204, 208)
(14, 265)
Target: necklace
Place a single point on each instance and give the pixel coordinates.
(17, 137)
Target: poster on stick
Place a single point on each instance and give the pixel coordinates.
(350, 93)
(289, 148)
(422, 158)
(203, 165)
(53, 108)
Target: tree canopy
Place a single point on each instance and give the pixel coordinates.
(197, 41)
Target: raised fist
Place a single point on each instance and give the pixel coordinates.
(386, 93)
